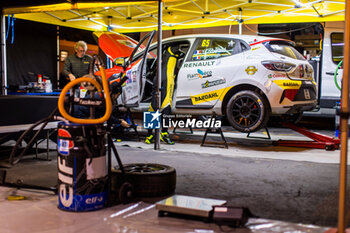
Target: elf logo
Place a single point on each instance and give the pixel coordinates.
(64, 144)
(65, 175)
(94, 200)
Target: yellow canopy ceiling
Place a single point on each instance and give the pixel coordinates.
(138, 16)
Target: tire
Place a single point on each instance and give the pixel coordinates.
(147, 179)
(126, 193)
(247, 111)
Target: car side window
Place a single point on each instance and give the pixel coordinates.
(244, 46)
(214, 48)
(337, 47)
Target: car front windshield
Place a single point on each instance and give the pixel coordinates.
(285, 50)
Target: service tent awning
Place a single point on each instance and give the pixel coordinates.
(138, 16)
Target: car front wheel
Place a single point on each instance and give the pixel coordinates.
(247, 111)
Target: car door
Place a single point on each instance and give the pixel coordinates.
(208, 69)
(332, 54)
(120, 46)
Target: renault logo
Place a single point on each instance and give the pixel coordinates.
(251, 70)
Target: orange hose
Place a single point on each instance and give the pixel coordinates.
(108, 101)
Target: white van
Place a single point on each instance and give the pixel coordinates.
(331, 56)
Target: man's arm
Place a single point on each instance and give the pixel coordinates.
(67, 69)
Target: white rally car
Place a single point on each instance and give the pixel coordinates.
(245, 78)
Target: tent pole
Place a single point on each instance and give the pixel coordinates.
(344, 114)
(3, 57)
(240, 22)
(58, 58)
(159, 70)
(109, 28)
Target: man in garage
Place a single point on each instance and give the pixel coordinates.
(78, 64)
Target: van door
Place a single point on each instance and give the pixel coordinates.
(332, 54)
(209, 66)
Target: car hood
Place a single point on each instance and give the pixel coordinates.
(115, 45)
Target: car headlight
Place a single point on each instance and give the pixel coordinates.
(278, 65)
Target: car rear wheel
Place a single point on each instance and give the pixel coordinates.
(247, 111)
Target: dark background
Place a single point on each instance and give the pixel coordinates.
(34, 50)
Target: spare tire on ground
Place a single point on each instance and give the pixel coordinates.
(147, 179)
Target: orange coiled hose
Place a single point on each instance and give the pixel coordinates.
(108, 101)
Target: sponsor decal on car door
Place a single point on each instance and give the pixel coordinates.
(207, 71)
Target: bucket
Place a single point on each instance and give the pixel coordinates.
(82, 167)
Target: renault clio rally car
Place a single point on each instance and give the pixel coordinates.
(245, 78)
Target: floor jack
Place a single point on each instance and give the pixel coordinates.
(320, 141)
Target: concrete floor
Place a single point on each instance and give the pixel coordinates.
(293, 185)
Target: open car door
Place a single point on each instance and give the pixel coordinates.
(118, 46)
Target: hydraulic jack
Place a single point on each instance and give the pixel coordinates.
(320, 141)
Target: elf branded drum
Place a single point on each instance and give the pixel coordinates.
(82, 167)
